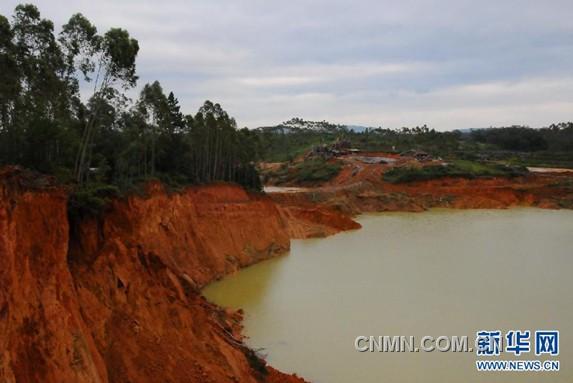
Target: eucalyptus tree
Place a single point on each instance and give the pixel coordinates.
(9, 75)
(154, 108)
(45, 125)
(105, 61)
(35, 99)
(174, 154)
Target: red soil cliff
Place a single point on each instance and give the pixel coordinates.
(118, 300)
(43, 337)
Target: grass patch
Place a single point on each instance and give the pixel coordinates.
(316, 170)
(457, 168)
(310, 171)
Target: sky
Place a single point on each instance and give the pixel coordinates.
(450, 64)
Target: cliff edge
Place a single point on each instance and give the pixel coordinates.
(117, 298)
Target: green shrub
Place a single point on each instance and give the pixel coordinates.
(316, 170)
(91, 199)
(458, 168)
(310, 171)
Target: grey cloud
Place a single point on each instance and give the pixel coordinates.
(449, 63)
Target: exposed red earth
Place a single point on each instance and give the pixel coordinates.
(360, 187)
(117, 298)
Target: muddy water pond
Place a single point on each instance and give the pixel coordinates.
(442, 272)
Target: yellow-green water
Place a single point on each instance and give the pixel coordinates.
(434, 273)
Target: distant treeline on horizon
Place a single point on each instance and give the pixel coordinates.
(287, 140)
(112, 140)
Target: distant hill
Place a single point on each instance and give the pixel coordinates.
(297, 124)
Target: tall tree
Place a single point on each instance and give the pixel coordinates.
(114, 65)
(154, 108)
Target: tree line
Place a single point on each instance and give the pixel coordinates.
(46, 125)
(552, 142)
(556, 138)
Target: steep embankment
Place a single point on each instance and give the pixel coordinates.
(119, 300)
(138, 269)
(43, 337)
(368, 192)
(310, 220)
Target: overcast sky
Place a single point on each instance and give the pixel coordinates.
(449, 64)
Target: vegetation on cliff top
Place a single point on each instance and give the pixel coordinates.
(307, 172)
(458, 168)
(107, 142)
